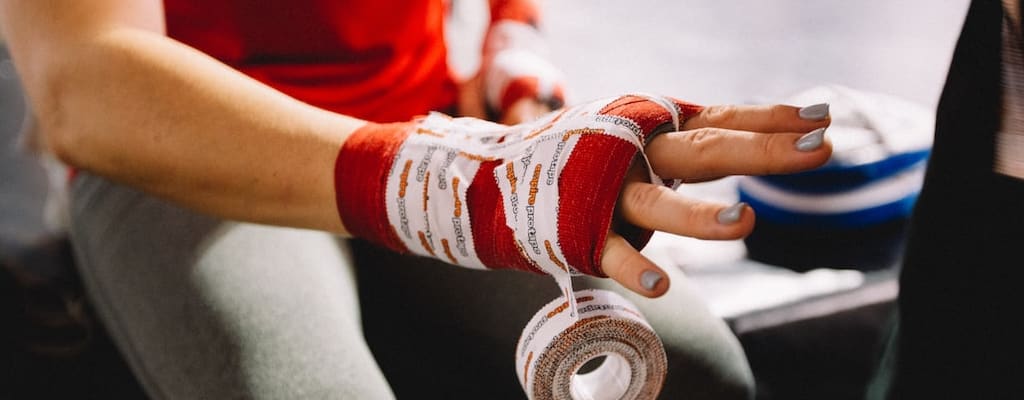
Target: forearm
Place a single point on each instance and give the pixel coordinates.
(149, 112)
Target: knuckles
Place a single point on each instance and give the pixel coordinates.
(638, 199)
(717, 115)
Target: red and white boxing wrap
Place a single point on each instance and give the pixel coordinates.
(535, 197)
(515, 67)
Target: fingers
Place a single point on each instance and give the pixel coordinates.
(709, 153)
(470, 101)
(524, 110)
(766, 118)
(659, 208)
(719, 141)
(624, 264)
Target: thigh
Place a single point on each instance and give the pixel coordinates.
(441, 331)
(705, 359)
(205, 308)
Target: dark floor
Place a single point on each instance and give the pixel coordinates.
(48, 349)
(825, 347)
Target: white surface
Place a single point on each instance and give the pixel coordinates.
(744, 286)
(737, 51)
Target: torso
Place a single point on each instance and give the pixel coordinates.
(383, 60)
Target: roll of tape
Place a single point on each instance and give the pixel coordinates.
(555, 346)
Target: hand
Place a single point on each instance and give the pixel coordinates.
(471, 103)
(717, 142)
(542, 196)
(524, 110)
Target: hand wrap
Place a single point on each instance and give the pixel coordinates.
(535, 197)
(515, 67)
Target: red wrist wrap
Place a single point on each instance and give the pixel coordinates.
(362, 166)
(535, 197)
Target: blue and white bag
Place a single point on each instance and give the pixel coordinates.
(851, 212)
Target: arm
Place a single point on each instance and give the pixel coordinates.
(115, 96)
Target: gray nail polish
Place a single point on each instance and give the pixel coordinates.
(811, 141)
(731, 214)
(649, 279)
(816, 112)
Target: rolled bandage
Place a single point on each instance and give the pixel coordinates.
(554, 347)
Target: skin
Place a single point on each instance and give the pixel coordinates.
(180, 125)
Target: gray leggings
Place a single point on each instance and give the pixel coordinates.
(203, 308)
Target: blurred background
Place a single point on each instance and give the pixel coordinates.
(810, 331)
(731, 52)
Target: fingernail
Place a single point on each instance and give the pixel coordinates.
(816, 112)
(649, 279)
(811, 141)
(731, 214)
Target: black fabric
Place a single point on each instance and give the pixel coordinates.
(802, 248)
(961, 299)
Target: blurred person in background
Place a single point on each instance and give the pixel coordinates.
(955, 335)
(213, 146)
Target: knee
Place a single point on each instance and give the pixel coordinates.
(705, 359)
(718, 371)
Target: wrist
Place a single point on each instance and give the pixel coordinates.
(364, 161)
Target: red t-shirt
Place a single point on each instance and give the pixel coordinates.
(380, 60)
